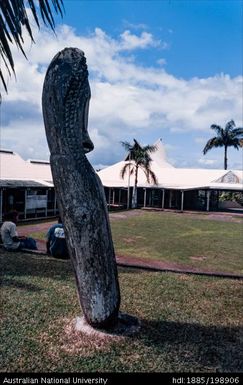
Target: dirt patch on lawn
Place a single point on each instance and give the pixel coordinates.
(202, 215)
(198, 258)
(213, 216)
(125, 214)
(73, 342)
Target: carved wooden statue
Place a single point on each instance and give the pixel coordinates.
(81, 200)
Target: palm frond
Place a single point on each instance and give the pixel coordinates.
(235, 143)
(150, 148)
(229, 126)
(33, 10)
(46, 13)
(4, 84)
(213, 142)
(127, 145)
(237, 132)
(128, 167)
(217, 128)
(150, 176)
(13, 17)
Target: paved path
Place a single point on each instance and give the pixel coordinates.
(128, 261)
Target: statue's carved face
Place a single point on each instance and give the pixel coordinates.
(86, 141)
(66, 96)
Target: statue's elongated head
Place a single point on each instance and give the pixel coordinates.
(65, 102)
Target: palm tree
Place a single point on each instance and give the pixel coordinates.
(138, 157)
(13, 17)
(230, 136)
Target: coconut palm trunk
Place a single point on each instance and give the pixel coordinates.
(225, 157)
(135, 190)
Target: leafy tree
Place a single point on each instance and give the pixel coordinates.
(13, 17)
(138, 157)
(230, 136)
(231, 196)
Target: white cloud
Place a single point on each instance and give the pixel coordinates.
(130, 41)
(128, 100)
(208, 162)
(161, 61)
(27, 138)
(133, 26)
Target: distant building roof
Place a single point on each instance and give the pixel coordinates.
(13, 167)
(36, 161)
(173, 178)
(6, 151)
(16, 172)
(14, 183)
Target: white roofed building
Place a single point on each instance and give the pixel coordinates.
(179, 188)
(27, 186)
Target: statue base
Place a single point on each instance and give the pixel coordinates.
(127, 325)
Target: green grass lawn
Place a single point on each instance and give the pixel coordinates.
(185, 239)
(189, 323)
(189, 240)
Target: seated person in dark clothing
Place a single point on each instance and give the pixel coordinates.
(11, 240)
(56, 242)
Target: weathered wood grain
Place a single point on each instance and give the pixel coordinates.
(81, 200)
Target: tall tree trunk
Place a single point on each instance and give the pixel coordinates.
(81, 198)
(225, 158)
(134, 192)
(134, 197)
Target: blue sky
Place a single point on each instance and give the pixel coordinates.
(164, 69)
(203, 37)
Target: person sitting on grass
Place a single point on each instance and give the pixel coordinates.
(11, 240)
(56, 245)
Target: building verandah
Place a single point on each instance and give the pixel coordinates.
(27, 186)
(165, 198)
(30, 202)
(41, 202)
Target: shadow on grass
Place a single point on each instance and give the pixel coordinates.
(22, 264)
(207, 348)
(14, 283)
